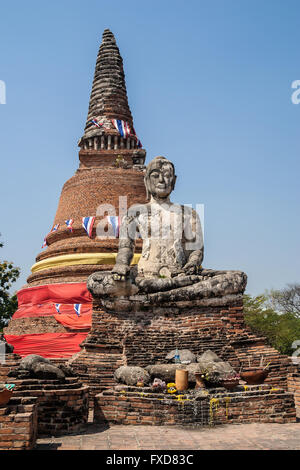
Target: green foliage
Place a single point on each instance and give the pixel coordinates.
(8, 303)
(280, 329)
(286, 300)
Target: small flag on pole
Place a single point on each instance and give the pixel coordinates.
(77, 308)
(88, 223)
(122, 126)
(114, 221)
(44, 243)
(55, 228)
(69, 224)
(57, 306)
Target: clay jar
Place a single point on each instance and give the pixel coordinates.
(199, 381)
(254, 376)
(181, 380)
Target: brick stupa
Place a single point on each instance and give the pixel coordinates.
(110, 166)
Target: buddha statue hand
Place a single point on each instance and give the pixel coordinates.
(121, 272)
(193, 266)
(191, 269)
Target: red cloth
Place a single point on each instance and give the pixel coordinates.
(40, 301)
(51, 345)
(78, 323)
(46, 309)
(69, 293)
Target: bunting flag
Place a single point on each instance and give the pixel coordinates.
(114, 221)
(88, 223)
(69, 224)
(122, 126)
(54, 229)
(96, 123)
(77, 308)
(57, 306)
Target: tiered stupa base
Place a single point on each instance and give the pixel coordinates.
(62, 407)
(144, 338)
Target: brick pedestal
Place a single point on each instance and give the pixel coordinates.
(18, 424)
(62, 407)
(141, 406)
(143, 338)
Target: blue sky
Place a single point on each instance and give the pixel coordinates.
(209, 85)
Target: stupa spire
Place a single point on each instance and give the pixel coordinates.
(108, 96)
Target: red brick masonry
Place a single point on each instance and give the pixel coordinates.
(18, 424)
(141, 406)
(143, 338)
(294, 386)
(62, 407)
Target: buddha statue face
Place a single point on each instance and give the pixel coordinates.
(160, 178)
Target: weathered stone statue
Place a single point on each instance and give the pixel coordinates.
(169, 270)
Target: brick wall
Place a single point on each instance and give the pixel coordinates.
(62, 407)
(294, 386)
(139, 406)
(18, 424)
(11, 362)
(143, 338)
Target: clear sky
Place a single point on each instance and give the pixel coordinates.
(209, 86)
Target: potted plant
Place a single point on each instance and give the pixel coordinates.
(230, 381)
(207, 378)
(159, 386)
(200, 382)
(255, 375)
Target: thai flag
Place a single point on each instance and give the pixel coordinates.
(44, 243)
(87, 223)
(57, 306)
(96, 123)
(122, 127)
(55, 228)
(77, 308)
(69, 224)
(114, 221)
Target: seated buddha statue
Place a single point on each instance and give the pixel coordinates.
(170, 267)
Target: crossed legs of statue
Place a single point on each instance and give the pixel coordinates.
(209, 283)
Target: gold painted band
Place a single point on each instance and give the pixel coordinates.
(78, 259)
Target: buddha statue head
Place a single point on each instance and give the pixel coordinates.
(160, 178)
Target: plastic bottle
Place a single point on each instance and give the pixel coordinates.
(177, 357)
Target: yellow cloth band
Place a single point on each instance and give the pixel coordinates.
(78, 258)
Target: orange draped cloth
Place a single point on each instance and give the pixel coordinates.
(39, 301)
(50, 345)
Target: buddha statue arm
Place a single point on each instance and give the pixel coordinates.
(194, 245)
(126, 249)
